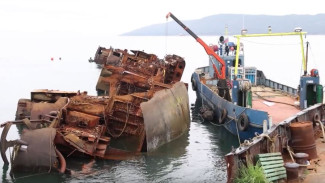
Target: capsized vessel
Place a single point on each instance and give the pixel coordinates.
(142, 104)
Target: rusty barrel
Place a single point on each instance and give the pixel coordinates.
(302, 138)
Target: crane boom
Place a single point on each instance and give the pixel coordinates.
(207, 49)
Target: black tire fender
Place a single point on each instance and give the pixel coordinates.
(242, 122)
(316, 117)
(223, 116)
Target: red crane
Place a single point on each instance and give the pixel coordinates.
(208, 50)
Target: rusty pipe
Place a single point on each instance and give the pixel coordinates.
(322, 127)
(63, 163)
(21, 122)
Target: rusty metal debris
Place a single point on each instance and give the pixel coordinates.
(142, 104)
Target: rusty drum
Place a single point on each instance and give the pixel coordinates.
(302, 138)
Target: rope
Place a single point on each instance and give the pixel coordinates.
(31, 175)
(216, 124)
(50, 153)
(248, 143)
(11, 155)
(105, 122)
(58, 117)
(230, 119)
(14, 152)
(272, 100)
(108, 131)
(126, 119)
(272, 147)
(322, 127)
(290, 153)
(237, 126)
(201, 92)
(71, 152)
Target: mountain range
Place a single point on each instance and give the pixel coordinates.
(215, 25)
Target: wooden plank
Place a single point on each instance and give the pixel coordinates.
(273, 165)
(269, 154)
(271, 162)
(277, 177)
(275, 173)
(265, 167)
(270, 158)
(274, 170)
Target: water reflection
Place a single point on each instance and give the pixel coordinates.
(36, 178)
(223, 138)
(5, 174)
(167, 159)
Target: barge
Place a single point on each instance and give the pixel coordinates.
(281, 129)
(242, 99)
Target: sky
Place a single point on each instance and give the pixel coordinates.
(114, 17)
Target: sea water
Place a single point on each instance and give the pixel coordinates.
(197, 156)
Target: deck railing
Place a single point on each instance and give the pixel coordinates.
(261, 80)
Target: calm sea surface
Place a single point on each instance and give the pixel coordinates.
(197, 156)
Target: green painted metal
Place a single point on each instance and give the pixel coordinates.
(273, 166)
(279, 169)
(268, 154)
(249, 98)
(277, 177)
(310, 94)
(272, 162)
(270, 158)
(319, 94)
